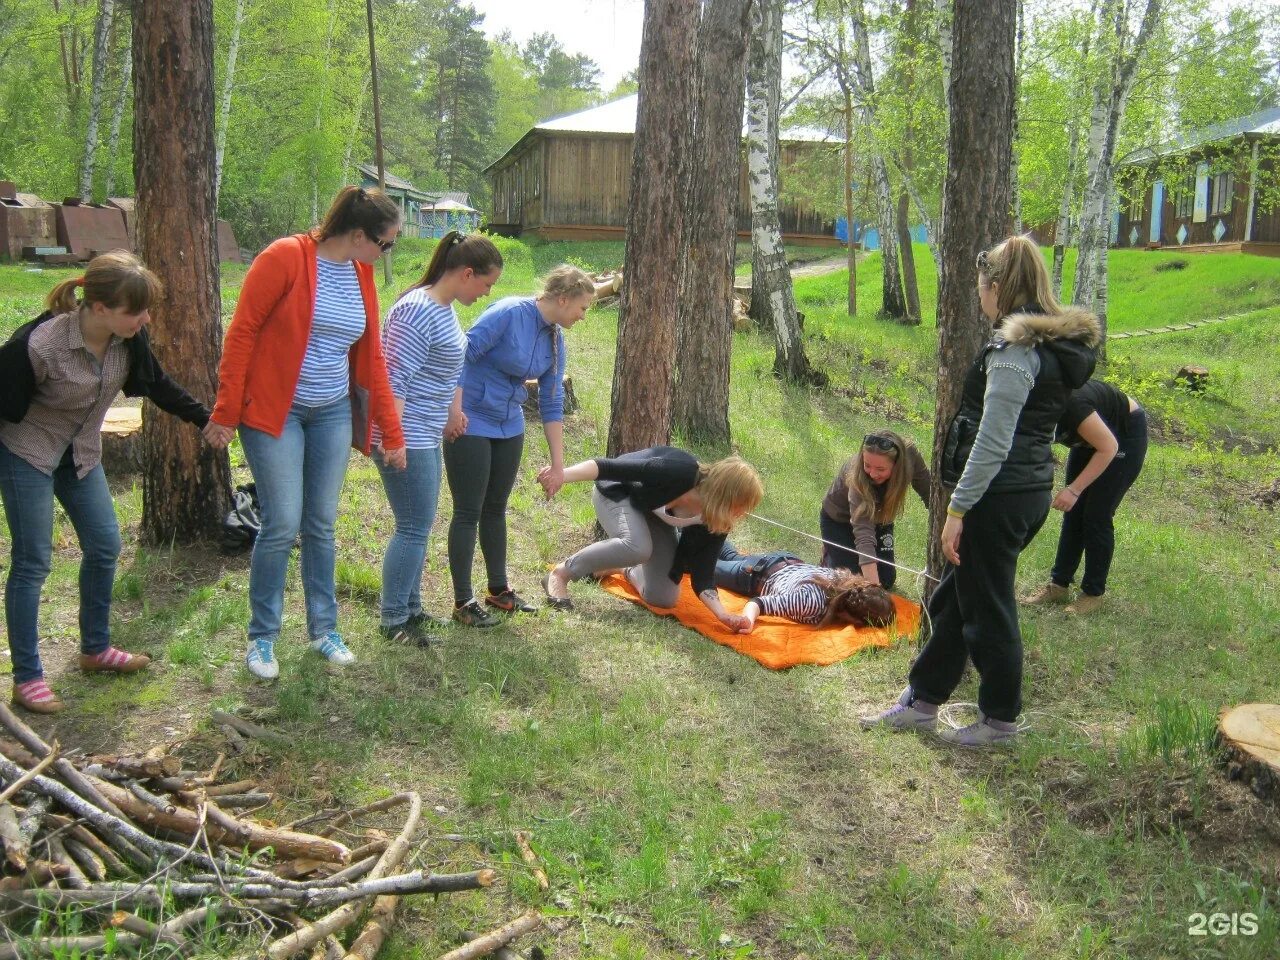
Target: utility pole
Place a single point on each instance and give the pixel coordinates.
(377, 129)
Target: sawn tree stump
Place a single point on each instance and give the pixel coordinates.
(1251, 733)
(122, 441)
(531, 404)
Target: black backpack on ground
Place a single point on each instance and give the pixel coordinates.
(241, 524)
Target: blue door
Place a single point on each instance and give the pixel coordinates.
(1157, 211)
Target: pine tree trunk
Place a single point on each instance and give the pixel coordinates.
(704, 328)
(975, 208)
(100, 34)
(910, 285)
(770, 277)
(224, 106)
(1015, 189)
(186, 484)
(656, 228)
(117, 118)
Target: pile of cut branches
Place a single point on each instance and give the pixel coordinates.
(120, 839)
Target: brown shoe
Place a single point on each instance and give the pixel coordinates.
(37, 698)
(1085, 604)
(1049, 593)
(113, 660)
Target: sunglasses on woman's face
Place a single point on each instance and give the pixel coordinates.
(873, 441)
(384, 245)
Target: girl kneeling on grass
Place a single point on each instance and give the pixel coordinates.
(425, 346)
(998, 455)
(642, 499)
(866, 497)
(60, 374)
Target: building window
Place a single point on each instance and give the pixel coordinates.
(1185, 197)
(1223, 187)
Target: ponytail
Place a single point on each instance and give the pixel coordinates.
(1018, 266)
(355, 208)
(62, 298)
(456, 252)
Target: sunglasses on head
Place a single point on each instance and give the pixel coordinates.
(873, 441)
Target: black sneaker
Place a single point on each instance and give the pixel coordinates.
(427, 622)
(471, 614)
(508, 601)
(410, 633)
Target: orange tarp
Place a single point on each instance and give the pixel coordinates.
(776, 643)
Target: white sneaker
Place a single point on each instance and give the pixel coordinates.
(985, 733)
(331, 647)
(907, 714)
(261, 658)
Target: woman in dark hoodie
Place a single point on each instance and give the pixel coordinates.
(998, 457)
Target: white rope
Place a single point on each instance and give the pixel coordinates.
(866, 556)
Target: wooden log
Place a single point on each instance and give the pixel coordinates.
(18, 753)
(75, 878)
(61, 767)
(29, 825)
(1251, 734)
(342, 917)
(143, 768)
(122, 441)
(150, 799)
(123, 920)
(96, 896)
(31, 774)
(90, 840)
(531, 402)
(531, 860)
(186, 822)
(89, 862)
(248, 729)
(38, 873)
(14, 854)
(381, 918)
(489, 942)
(502, 953)
(350, 816)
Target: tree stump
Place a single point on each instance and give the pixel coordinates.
(1193, 377)
(122, 441)
(531, 403)
(1251, 733)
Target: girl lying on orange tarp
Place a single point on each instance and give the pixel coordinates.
(780, 584)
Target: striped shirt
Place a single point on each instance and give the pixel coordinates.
(337, 323)
(73, 393)
(792, 593)
(424, 346)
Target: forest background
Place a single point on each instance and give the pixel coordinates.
(294, 112)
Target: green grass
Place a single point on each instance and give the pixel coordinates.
(687, 802)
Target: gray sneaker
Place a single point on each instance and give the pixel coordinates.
(261, 658)
(986, 732)
(907, 714)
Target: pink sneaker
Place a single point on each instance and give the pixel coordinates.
(113, 660)
(35, 695)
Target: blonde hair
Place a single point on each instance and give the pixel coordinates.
(894, 496)
(854, 599)
(728, 488)
(115, 279)
(1018, 266)
(567, 281)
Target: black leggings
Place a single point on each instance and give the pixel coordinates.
(846, 554)
(481, 473)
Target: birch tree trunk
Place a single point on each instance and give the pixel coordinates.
(892, 303)
(704, 327)
(100, 34)
(186, 486)
(975, 208)
(224, 105)
(117, 118)
(770, 278)
(1062, 232)
(910, 285)
(355, 130)
(1120, 58)
(656, 228)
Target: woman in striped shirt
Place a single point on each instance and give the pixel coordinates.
(425, 346)
(304, 380)
(782, 585)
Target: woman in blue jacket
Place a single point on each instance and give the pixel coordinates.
(515, 339)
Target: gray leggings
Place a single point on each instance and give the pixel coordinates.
(640, 544)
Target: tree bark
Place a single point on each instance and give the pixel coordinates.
(704, 326)
(910, 285)
(851, 247)
(892, 302)
(975, 208)
(224, 105)
(770, 277)
(186, 486)
(117, 118)
(657, 240)
(100, 34)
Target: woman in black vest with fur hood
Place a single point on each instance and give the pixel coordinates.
(998, 457)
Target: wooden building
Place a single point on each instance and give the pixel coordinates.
(1212, 190)
(570, 178)
(424, 213)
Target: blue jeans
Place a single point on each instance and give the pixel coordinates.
(413, 494)
(743, 573)
(28, 507)
(299, 476)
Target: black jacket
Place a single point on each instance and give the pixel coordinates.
(1066, 344)
(146, 378)
(651, 478)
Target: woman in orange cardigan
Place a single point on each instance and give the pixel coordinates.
(303, 378)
